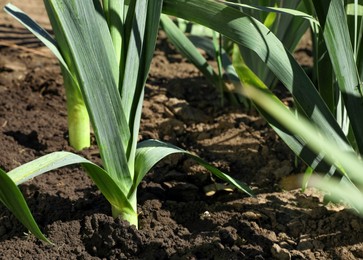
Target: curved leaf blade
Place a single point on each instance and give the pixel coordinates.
(150, 152)
(337, 39)
(133, 58)
(149, 42)
(38, 32)
(13, 199)
(279, 10)
(107, 185)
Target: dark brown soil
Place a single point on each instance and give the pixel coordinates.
(177, 219)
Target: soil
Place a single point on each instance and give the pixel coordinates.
(178, 218)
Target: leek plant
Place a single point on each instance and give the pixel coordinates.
(324, 128)
(271, 13)
(105, 50)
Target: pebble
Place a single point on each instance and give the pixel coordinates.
(280, 253)
(250, 215)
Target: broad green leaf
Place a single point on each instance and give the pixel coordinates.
(348, 163)
(150, 152)
(279, 10)
(286, 24)
(37, 30)
(325, 77)
(107, 35)
(92, 54)
(355, 25)
(114, 14)
(150, 36)
(336, 34)
(12, 198)
(109, 187)
(40, 33)
(133, 59)
(151, 33)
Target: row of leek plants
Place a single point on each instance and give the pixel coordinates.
(324, 128)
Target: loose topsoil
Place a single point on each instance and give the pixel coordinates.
(178, 218)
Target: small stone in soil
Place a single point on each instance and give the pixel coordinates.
(280, 253)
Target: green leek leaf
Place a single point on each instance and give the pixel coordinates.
(339, 46)
(13, 199)
(107, 185)
(37, 30)
(150, 152)
(92, 54)
(152, 25)
(278, 10)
